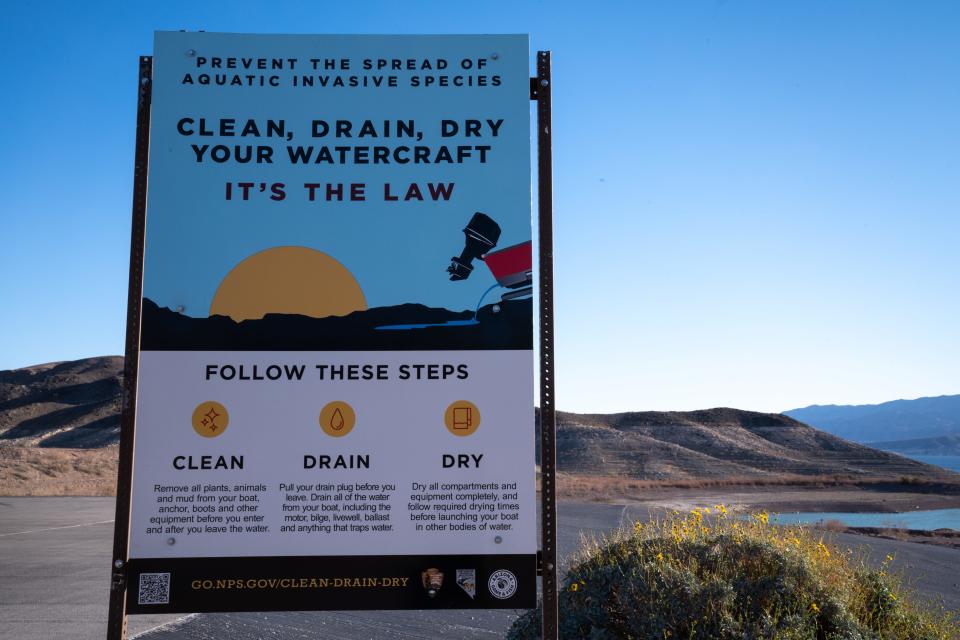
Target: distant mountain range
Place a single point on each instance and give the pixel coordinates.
(942, 446)
(75, 405)
(900, 425)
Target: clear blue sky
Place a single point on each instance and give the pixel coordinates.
(757, 204)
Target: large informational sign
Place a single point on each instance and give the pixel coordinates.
(334, 405)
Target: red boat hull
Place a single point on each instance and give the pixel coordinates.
(512, 266)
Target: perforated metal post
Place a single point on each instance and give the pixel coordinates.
(117, 620)
(540, 90)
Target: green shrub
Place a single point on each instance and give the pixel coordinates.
(707, 575)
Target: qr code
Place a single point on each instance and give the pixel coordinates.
(154, 588)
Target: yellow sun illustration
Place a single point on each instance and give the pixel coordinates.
(295, 280)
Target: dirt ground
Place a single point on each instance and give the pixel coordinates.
(39, 471)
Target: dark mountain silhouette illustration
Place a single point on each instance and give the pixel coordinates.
(504, 325)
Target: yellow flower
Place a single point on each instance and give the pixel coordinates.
(660, 557)
(574, 586)
(814, 607)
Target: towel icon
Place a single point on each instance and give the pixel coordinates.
(462, 417)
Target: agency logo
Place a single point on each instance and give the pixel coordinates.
(432, 580)
(467, 580)
(502, 584)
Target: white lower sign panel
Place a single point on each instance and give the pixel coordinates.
(305, 466)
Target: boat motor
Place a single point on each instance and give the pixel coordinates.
(481, 234)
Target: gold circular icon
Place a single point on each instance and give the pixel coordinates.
(337, 419)
(462, 418)
(210, 419)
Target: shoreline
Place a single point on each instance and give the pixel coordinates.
(788, 499)
(783, 499)
(814, 495)
(940, 537)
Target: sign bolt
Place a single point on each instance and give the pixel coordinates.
(498, 539)
(171, 541)
(191, 53)
(118, 563)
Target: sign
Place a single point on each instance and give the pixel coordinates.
(334, 403)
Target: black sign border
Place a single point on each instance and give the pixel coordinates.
(122, 568)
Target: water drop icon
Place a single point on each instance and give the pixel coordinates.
(336, 420)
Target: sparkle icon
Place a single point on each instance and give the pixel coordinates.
(210, 419)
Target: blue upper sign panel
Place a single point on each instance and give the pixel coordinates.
(338, 193)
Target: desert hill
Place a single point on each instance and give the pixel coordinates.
(717, 443)
(60, 423)
(62, 404)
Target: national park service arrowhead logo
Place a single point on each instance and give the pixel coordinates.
(432, 581)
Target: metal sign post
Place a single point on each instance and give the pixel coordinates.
(540, 91)
(117, 622)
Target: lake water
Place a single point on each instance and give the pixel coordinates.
(927, 520)
(947, 462)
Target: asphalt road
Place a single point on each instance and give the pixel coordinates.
(54, 568)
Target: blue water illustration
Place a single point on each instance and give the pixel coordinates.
(448, 323)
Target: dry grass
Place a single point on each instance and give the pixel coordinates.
(33, 471)
(834, 526)
(604, 488)
(897, 533)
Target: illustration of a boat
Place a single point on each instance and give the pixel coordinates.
(513, 269)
